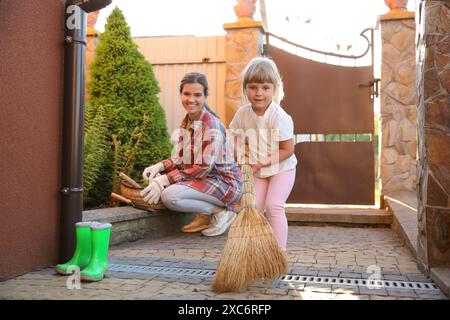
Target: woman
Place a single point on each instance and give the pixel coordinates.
(201, 176)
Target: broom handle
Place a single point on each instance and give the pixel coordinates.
(120, 198)
(129, 180)
(248, 199)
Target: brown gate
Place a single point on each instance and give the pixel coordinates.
(328, 102)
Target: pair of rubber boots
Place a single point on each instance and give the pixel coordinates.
(91, 252)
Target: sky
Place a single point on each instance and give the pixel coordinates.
(327, 25)
(309, 22)
(172, 17)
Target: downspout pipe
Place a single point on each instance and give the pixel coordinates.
(73, 120)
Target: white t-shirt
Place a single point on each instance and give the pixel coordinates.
(262, 136)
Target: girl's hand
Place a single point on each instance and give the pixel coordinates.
(255, 167)
(263, 163)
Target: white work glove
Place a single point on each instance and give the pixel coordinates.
(152, 192)
(151, 172)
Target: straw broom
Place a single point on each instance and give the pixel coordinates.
(251, 252)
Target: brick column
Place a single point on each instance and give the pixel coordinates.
(244, 41)
(398, 102)
(92, 36)
(433, 72)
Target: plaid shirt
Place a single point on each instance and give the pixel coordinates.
(203, 160)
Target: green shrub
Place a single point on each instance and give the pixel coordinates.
(96, 144)
(122, 79)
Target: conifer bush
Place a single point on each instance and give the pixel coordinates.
(95, 144)
(124, 81)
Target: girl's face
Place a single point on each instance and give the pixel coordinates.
(193, 99)
(260, 95)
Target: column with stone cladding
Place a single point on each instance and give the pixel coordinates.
(398, 154)
(433, 86)
(91, 39)
(244, 41)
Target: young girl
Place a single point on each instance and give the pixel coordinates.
(199, 177)
(271, 154)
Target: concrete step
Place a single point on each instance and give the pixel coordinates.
(403, 206)
(441, 275)
(340, 216)
(131, 224)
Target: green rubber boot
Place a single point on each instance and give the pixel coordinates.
(98, 264)
(82, 253)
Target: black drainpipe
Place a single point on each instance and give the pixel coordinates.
(73, 120)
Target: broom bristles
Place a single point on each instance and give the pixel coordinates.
(251, 252)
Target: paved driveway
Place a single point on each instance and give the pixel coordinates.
(324, 263)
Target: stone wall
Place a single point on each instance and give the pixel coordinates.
(433, 73)
(398, 103)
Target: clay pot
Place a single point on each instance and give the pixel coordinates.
(245, 9)
(92, 18)
(397, 5)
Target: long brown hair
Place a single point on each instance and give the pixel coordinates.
(200, 78)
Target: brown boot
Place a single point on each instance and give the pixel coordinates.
(200, 222)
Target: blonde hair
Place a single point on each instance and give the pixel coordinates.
(261, 70)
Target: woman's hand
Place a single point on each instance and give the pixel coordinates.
(152, 193)
(151, 172)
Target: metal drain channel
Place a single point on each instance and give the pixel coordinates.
(392, 284)
(285, 280)
(161, 270)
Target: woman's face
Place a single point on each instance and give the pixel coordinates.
(193, 99)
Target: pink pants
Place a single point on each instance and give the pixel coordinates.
(271, 195)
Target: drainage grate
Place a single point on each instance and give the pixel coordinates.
(161, 270)
(284, 280)
(391, 284)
